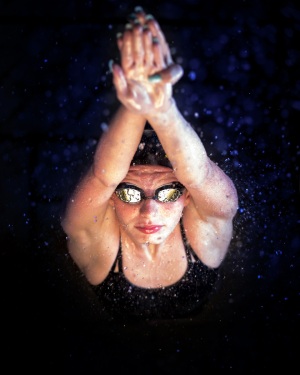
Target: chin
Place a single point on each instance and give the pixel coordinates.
(153, 239)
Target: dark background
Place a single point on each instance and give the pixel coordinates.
(240, 91)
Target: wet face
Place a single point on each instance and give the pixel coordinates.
(149, 221)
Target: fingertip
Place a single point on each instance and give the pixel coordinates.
(151, 22)
(138, 9)
(149, 17)
(176, 72)
(146, 30)
(114, 68)
(172, 74)
(128, 27)
(110, 65)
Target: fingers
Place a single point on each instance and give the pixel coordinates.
(144, 50)
(138, 16)
(139, 48)
(119, 41)
(158, 56)
(127, 59)
(135, 46)
(146, 21)
(138, 45)
(148, 51)
(155, 29)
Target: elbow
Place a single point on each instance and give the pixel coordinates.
(227, 209)
(232, 201)
(212, 262)
(214, 258)
(65, 224)
(232, 209)
(108, 179)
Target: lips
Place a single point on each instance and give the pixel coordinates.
(149, 229)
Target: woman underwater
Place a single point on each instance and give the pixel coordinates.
(151, 221)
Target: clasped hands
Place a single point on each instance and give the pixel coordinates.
(144, 78)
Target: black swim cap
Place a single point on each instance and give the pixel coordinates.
(150, 151)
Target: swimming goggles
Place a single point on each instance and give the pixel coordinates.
(133, 194)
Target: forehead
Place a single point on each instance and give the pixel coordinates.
(150, 173)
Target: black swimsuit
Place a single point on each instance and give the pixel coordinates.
(186, 296)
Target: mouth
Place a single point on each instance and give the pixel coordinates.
(149, 229)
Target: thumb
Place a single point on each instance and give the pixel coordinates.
(119, 79)
(171, 74)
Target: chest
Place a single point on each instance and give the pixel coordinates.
(162, 270)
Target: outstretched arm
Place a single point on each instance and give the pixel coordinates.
(208, 217)
(140, 51)
(89, 220)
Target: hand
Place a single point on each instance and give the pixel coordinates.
(173, 72)
(144, 80)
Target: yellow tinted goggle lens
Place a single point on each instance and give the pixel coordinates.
(168, 195)
(133, 194)
(129, 195)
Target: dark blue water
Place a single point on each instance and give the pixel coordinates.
(240, 91)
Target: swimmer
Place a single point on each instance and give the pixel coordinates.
(153, 214)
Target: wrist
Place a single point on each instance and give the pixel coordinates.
(125, 111)
(164, 113)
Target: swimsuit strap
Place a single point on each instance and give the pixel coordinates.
(117, 261)
(188, 250)
(120, 261)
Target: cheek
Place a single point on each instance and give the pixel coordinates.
(125, 212)
(173, 210)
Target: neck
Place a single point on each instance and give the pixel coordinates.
(148, 250)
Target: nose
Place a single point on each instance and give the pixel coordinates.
(148, 206)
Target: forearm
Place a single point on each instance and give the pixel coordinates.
(210, 187)
(181, 144)
(117, 146)
(112, 159)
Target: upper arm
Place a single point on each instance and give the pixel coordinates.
(94, 251)
(215, 195)
(209, 237)
(91, 227)
(208, 218)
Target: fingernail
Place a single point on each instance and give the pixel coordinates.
(128, 26)
(149, 17)
(119, 35)
(155, 40)
(154, 78)
(138, 9)
(110, 65)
